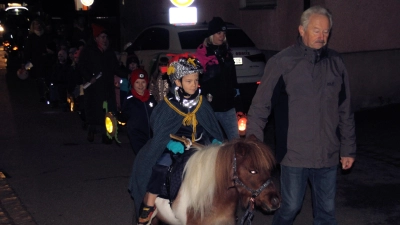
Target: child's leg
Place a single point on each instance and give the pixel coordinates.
(154, 186)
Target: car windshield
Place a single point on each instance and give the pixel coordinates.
(236, 38)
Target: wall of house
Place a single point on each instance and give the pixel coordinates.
(365, 32)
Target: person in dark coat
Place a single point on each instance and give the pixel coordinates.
(183, 113)
(219, 82)
(98, 64)
(39, 56)
(137, 109)
(60, 79)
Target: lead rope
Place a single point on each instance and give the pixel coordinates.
(248, 216)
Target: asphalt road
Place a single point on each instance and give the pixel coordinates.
(53, 176)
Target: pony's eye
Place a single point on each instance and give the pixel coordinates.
(253, 171)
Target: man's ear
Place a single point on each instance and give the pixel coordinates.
(301, 30)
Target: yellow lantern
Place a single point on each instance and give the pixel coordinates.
(111, 124)
(242, 126)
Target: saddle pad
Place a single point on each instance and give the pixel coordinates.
(174, 176)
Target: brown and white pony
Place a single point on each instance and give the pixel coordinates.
(216, 177)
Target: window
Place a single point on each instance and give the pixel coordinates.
(192, 39)
(236, 38)
(152, 39)
(258, 4)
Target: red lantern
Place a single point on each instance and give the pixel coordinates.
(242, 125)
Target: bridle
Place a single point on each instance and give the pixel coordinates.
(254, 193)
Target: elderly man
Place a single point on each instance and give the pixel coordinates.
(307, 86)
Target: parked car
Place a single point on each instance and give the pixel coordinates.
(162, 39)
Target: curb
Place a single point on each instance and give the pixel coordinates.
(12, 211)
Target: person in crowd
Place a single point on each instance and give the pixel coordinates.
(98, 65)
(219, 83)
(159, 85)
(71, 54)
(183, 113)
(78, 92)
(39, 57)
(132, 63)
(80, 31)
(117, 80)
(137, 109)
(60, 80)
(307, 86)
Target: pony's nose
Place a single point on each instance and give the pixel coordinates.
(275, 202)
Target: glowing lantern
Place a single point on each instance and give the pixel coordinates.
(111, 124)
(242, 126)
(70, 101)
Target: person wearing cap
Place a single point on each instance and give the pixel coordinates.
(137, 109)
(218, 82)
(98, 64)
(183, 112)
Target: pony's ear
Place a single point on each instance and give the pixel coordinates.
(252, 137)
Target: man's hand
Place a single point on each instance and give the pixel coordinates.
(239, 115)
(347, 162)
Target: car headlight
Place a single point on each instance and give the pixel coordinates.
(1, 28)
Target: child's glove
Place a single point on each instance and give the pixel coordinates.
(215, 141)
(175, 147)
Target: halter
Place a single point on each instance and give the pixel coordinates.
(254, 193)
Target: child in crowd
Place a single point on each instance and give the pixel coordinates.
(137, 109)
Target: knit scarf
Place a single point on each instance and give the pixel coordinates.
(144, 97)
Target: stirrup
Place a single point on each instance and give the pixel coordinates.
(146, 213)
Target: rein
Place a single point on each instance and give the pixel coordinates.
(248, 216)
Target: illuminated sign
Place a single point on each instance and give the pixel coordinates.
(183, 16)
(182, 3)
(87, 2)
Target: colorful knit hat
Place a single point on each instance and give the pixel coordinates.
(183, 66)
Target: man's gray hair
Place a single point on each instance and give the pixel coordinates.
(305, 17)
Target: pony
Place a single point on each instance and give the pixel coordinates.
(216, 178)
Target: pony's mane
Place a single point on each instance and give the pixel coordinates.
(198, 186)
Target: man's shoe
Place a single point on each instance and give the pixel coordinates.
(90, 136)
(145, 214)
